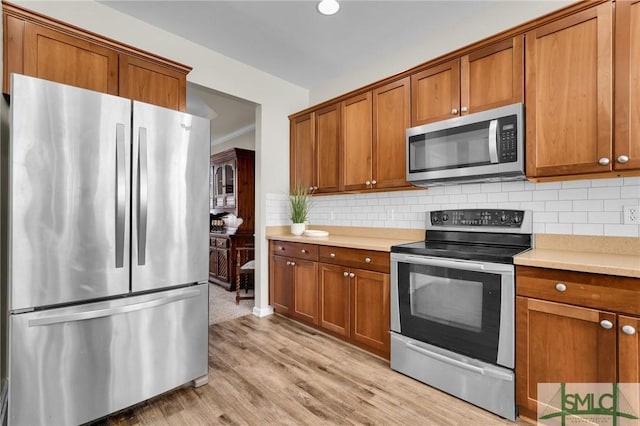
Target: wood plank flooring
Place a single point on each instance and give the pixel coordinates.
(275, 371)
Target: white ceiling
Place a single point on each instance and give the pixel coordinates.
(291, 40)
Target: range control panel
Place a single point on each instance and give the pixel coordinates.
(477, 217)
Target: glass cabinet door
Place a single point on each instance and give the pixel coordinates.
(229, 184)
(218, 185)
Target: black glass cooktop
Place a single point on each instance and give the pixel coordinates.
(485, 247)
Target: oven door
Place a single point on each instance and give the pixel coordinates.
(463, 306)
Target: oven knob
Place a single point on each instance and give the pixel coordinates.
(445, 218)
(503, 218)
(516, 219)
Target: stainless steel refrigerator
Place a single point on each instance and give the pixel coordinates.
(105, 208)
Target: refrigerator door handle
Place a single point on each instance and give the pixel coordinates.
(142, 196)
(120, 195)
(107, 312)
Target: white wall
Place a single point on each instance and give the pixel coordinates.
(245, 141)
(582, 207)
(276, 97)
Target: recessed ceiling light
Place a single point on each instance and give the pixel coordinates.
(328, 7)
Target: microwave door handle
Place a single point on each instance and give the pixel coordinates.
(493, 141)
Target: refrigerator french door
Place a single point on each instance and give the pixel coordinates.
(106, 251)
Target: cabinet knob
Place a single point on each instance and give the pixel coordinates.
(352, 275)
(280, 248)
(293, 263)
(373, 182)
(332, 255)
(368, 183)
(603, 161)
(303, 251)
(622, 159)
(463, 109)
(606, 324)
(288, 263)
(346, 274)
(311, 188)
(454, 111)
(367, 260)
(628, 329)
(561, 287)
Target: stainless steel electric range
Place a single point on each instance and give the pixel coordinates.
(452, 304)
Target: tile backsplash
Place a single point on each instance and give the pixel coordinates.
(584, 207)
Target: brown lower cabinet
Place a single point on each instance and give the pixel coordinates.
(348, 297)
(574, 327)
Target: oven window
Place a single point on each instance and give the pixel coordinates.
(451, 308)
(449, 301)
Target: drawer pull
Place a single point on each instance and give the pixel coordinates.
(628, 329)
(367, 260)
(606, 324)
(346, 274)
(293, 263)
(280, 248)
(561, 287)
(303, 251)
(352, 275)
(332, 255)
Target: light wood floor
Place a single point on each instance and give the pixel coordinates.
(274, 371)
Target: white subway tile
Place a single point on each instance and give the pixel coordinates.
(605, 217)
(545, 186)
(630, 191)
(559, 206)
(441, 199)
(631, 181)
(491, 187)
(536, 206)
(604, 193)
(588, 205)
(576, 184)
(512, 186)
(556, 228)
(458, 198)
(472, 188)
(539, 228)
(498, 197)
(546, 195)
(572, 217)
(436, 190)
(453, 189)
(606, 182)
(622, 230)
(520, 196)
(545, 217)
(590, 229)
(479, 197)
(572, 194)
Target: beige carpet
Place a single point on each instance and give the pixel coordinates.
(222, 305)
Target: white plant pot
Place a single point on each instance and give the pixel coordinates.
(297, 228)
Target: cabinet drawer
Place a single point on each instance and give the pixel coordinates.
(222, 242)
(355, 258)
(613, 293)
(298, 250)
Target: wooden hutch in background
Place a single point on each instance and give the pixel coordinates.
(233, 192)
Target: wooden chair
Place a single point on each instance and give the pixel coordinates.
(245, 273)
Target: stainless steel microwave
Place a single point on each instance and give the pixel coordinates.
(486, 146)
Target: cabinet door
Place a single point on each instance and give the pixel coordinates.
(144, 81)
(305, 290)
(627, 79)
(391, 118)
(213, 263)
(280, 286)
(435, 93)
(223, 264)
(303, 152)
(569, 94)
(492, 76)
(559, 343)
(370, 310)
(356, 142)
(328, 149)
(334, 298)
(58, 57)
(628, 350)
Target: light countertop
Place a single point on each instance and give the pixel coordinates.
(600, 255)
(357, 238)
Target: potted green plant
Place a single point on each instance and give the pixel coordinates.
(300, 205)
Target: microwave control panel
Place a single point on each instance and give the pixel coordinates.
(508, 137)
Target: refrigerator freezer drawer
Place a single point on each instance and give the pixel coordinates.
(75, 364)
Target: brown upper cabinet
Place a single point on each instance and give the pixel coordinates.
(626, 150)
(488, 77)
(354, 145)
(315, 151)
(42, 47)
(569, 91)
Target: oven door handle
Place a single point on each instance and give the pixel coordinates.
(445, 359)
(454, 264)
